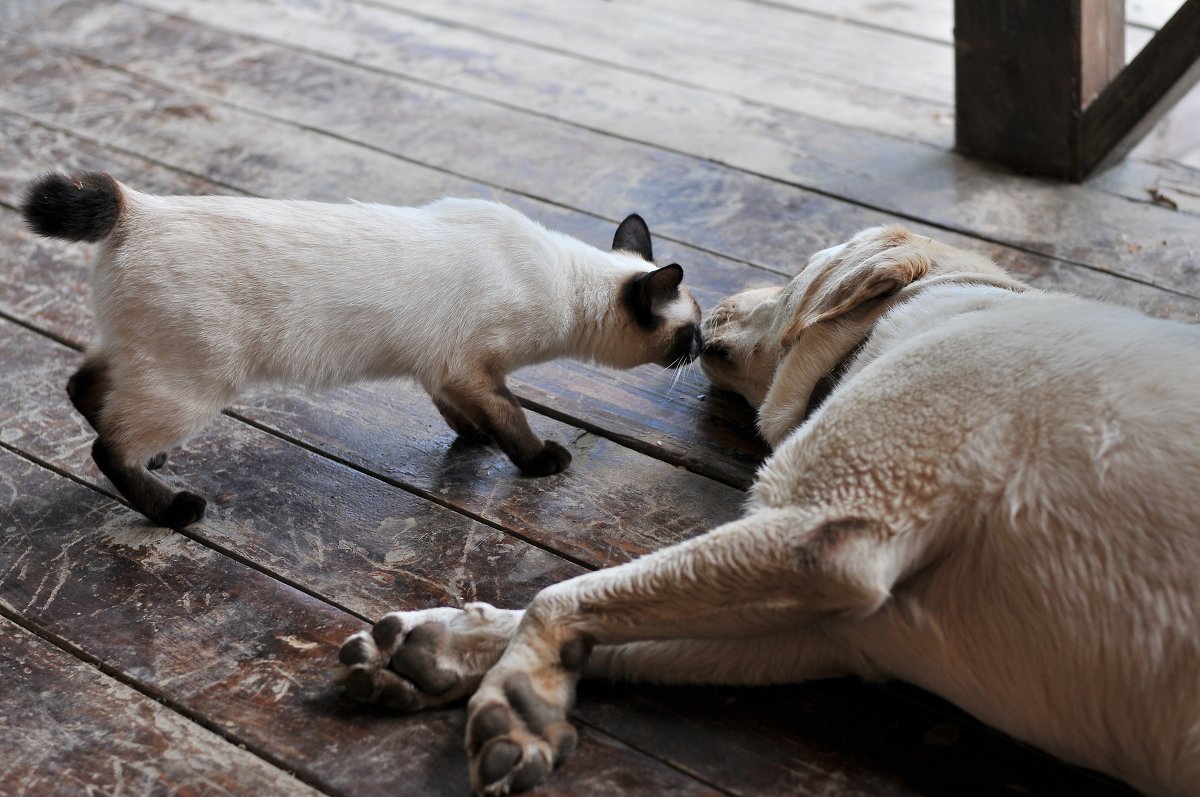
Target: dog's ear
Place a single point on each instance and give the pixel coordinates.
(794, 383)
(634, 236)
(865, 273)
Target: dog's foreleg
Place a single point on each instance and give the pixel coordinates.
(770, 571)
(414, 660)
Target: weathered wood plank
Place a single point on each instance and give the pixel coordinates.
(1174, 139)
(67, 729)
(909, 113)
(803, 735)
(627, 87)
(1024, 73)
(726, 448)
(1171, 184)
(934, 19)
(1081, 225)
(251, 656)
(760, 57)
(1161, 74)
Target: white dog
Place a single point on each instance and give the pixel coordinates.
(996, 500)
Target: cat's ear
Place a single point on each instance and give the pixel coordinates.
(663, 282)
(650, 290)
(633, 236)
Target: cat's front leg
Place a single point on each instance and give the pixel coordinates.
(491, 406)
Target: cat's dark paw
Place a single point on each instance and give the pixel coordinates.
(157, 461)
(185, 509)
(552, 459)
(473, 437)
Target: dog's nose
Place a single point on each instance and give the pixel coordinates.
(715, 351)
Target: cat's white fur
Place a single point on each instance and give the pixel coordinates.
(225, 292)
(198, 298)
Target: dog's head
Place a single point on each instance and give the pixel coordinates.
(775, 345)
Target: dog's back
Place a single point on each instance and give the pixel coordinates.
(1064, 523)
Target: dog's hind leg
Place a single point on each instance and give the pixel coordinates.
(774, 571)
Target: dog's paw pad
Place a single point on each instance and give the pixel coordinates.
(417, 659)
(515, 743)
(413, 660)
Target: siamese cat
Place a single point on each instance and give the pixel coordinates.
(199, 297)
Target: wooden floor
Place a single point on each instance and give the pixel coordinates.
(749, 133)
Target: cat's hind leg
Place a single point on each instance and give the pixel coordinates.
(491, 406)
(87, 388)
(466, 430)
(137, 419)
(145, 492)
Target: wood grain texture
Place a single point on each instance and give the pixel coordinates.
(934, 19)
(1134, 101)
(719, 209)
(300, 515)
(66, 729)
(1024, 71)
(249, 655)
(800, 739)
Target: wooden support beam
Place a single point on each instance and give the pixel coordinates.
(1166, 68)
(1025, 70)
(1040, 87)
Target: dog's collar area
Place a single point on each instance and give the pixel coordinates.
(827, 383)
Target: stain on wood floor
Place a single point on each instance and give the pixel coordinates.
(749, 133)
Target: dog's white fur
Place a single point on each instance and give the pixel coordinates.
(997, 502)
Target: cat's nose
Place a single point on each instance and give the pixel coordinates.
(697, 343)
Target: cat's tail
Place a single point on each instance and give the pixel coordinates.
(83, 207)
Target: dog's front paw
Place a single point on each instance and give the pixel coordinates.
(516, 736)
(553, 458)
(410, 661)
(517, 727)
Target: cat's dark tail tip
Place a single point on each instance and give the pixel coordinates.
(82, 207)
